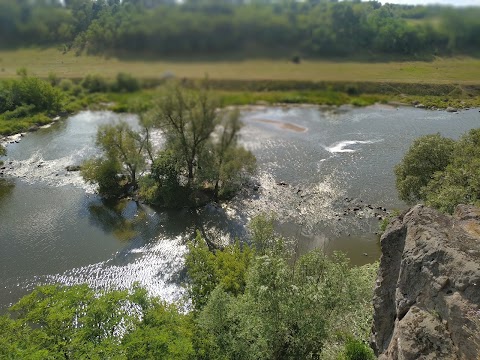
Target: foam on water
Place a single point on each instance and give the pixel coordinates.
(306, 206)
(341, 146)
(51, 172)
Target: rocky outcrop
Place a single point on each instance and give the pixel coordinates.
(428, 285)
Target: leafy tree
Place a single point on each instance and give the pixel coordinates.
(76, 322)
(31, 92)
(95, 83)
(441, 172)
(104, 173)
(206, 270)
(459, 183)
(226, 162)
(188, 122)
(283, 310)
(427, 155)
(162, 333)
(123, 158)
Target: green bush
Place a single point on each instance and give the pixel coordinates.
(20, 112)
(357, 350)
(126, 83)
(29, 91)
(66, 84)
(441, 172)
(95, 83)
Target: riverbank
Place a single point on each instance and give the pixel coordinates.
(134, 86)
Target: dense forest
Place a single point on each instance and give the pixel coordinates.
(314, 28)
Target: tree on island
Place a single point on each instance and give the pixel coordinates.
(201, 159)
(123, 157)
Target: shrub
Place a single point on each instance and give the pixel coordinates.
(95, 83)
(66, 84)
(126, 83)
(357, 350)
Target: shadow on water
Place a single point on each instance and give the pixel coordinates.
(6, 188)
(119, 218)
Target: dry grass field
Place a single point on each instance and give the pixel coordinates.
(464, 71)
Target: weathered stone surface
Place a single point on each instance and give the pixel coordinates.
(428, 281)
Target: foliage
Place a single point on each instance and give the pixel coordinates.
(427, 155)
(30, 93)
(315, 28)
(93, 83)
(3, 151)
(123, 158)
(206, 270)
(441, 172)
(76, 322)
(459, 183)
(357, 350)
(104, 173)
(282, 310)
(126, 83)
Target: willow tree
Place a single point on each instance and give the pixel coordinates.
(122, 159)
(204, 141)
(188, 121)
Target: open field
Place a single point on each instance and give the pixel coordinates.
(464, 71)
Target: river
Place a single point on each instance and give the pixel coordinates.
(315, 166)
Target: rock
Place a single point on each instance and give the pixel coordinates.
(451, 109)
(420, 106)
(281, 183)
(33, 128)
(427, 284)
(415, 102)
(73, 168)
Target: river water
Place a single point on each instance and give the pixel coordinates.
(327, 174)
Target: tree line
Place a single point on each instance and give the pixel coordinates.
(316, 28)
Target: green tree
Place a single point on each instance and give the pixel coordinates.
(208, 269)
(426, 156)
(104, 173)
(123, 158)
(283, 309)
(459, 183)
(58, 322)
(188, 121)
(226, 162)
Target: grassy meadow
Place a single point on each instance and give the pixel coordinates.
(465, 71)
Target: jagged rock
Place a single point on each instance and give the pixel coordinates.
(73, 168)
(428, 282)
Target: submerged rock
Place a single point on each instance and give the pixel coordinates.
(73, 168)
(428, 284)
